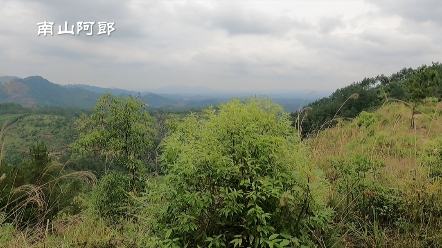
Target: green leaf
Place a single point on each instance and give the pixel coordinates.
(272, 237)
(284, 242)
(168, 233)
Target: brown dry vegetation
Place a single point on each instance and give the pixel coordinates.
(386, 136)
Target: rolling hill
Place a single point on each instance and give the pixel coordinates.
(36, 91)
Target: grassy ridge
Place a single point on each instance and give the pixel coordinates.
(371, 94)
(385, 176)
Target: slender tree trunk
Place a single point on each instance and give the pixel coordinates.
(412, 115)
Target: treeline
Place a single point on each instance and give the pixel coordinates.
(68, 112)
(365, 95)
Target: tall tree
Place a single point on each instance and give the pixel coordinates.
(120, 128)
(419, 86)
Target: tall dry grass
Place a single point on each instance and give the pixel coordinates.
(35, 195)
(385, 135)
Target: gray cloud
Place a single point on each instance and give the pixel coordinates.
(236, 20)
(379, 47)
(329, 24)
(219, 44)
(419, 11)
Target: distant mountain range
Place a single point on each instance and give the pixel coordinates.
(99, 90)
(37, 91)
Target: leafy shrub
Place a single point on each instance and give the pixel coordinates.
(383, 202)
(6, 230)
(432, 157)
(111, 196)
(239, 177)
(366, 119)
(356, 180)
(431, 100)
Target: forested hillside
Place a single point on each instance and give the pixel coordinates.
(37, 91)
(361, 168)
(365, 95)
(51, 126)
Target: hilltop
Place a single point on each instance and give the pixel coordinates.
(37, 91)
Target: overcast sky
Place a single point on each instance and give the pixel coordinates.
(234, 45)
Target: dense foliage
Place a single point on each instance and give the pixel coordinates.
(420, 85)
(120, 129)
(239, 177)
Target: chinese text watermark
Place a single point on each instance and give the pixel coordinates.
(46, 28)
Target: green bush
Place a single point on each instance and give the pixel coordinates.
(239, 177)
(366, 119)
(6, 230)
(111, 197)
(356, 180)
(432, 157)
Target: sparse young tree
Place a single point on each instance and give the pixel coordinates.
(120, 129)
(419, 86)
